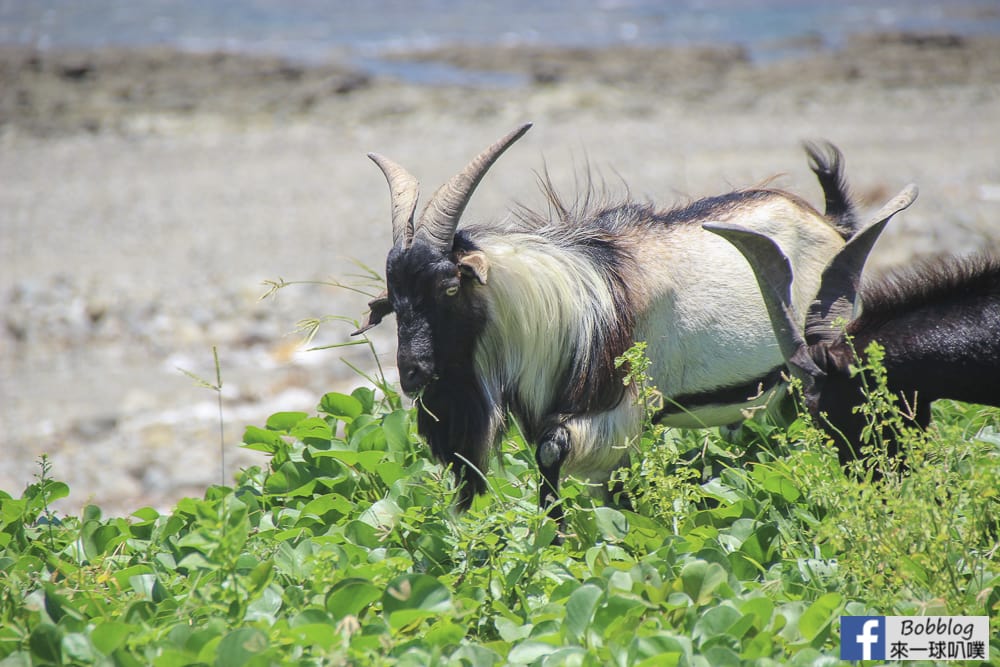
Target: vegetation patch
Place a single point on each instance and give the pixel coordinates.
(344, 550)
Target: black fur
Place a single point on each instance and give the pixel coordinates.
(594, 209)
(939, 323)
(453, 414)
(721, 396)
(827, 162)
(456, 416)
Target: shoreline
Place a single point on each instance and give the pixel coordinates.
(54, 92)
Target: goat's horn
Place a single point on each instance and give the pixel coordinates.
(403, 191)
(440, 217)
(774, 277)
(840, 280)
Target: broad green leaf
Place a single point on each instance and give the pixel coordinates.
(389, 472)
(261, 575)
(239, 647)
(366, 461)
(368, 437)
(580, 610)
(511, 631)
(296, 561)
(414, 592)
(444, 633)
(146, 514)
(350, 596)
(715, 488)
(98, 538)
(362, 534)
(396, 426)
(290, 478)
(722, 656)
(147, 586)
(60, 607)
(657, 650)
(568, 656)
(528, 652)
(760, 646)
(617, 612)
(311, 616)
(776, 482)
(56, 491)
(701, 579)
(820, 614)
(76, 648)
(323, 635)
(319, 506)
(343, 407)
(760, 608)
(611, 523)
(284, 421)
(46, 642)
(714, 622)
(312, 429)
(382, 514)
(125, 575)
(110, 635)
(171, 658)
(787, 619)
(262, 440)
(265, 607)
(366, 397)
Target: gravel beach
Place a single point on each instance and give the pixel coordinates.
(148, 196)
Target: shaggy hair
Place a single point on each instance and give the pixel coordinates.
(928, 284)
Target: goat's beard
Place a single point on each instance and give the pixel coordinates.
(457, 419)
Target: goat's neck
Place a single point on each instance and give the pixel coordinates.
(547, 308)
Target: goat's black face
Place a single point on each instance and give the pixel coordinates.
(438, 317)
(836, 397)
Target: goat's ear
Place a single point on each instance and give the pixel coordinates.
(379, 307)
(475, 264)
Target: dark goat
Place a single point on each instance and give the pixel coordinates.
(525, 317)
(939, 324)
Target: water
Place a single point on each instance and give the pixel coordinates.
(363, 30)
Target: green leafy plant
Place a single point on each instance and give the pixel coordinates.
(661, 486)
(344, 549)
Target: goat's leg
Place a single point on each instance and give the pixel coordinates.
(550, 455)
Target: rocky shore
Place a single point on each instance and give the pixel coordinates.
(147, 196)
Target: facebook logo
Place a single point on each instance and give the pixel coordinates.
(862, 637)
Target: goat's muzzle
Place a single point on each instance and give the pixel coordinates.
(414, 375)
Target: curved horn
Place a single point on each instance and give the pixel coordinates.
(440, 217)
(839, 284)
(774, 277)
(403, 191)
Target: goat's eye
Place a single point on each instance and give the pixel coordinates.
(452, 290)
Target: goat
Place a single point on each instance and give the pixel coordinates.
(939, 324)
(525, 317)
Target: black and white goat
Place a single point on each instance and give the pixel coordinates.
(939, 324)
(526, 316)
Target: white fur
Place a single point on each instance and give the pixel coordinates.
(704, 319)
(544, 302)
(601, 441)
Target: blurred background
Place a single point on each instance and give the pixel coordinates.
(164, 163)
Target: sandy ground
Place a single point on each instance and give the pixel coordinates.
(145, 197)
